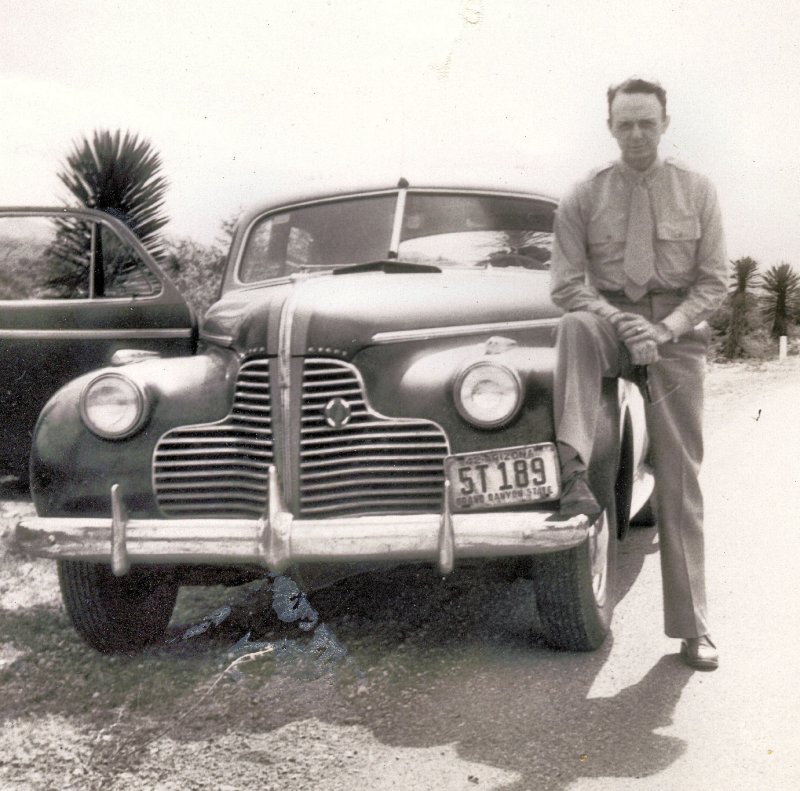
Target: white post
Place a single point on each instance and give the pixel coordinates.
(782, 348)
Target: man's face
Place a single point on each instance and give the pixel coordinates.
(637, 122)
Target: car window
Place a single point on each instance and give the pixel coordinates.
(68, 257)
(319, 236)
(441, 228)
(476, 230)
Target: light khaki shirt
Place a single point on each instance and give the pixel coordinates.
(589, 244)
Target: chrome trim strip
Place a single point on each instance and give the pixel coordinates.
(285, 388)
(69, 335)
(429, 333)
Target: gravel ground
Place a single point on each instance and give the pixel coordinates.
(193, 714)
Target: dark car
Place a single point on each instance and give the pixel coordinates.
(76, 287)
(374, 384)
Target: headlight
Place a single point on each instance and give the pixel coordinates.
(112, 406)
(488, 394)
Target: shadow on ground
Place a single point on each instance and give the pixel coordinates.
(427, 662)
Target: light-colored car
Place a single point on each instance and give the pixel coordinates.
(373, 385)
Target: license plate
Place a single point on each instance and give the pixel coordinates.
(507, 476)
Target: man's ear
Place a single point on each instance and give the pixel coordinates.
(665, 124)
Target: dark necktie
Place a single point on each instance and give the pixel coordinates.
(639, 261)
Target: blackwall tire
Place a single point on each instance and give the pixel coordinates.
(576, 589)
(117, 614)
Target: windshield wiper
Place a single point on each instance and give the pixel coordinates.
(388, 265)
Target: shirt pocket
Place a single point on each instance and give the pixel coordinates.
(607, 239)
(677, 239)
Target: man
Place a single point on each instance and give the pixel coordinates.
(638, 262)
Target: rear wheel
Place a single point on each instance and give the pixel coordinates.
(575, 589)
(117, 614)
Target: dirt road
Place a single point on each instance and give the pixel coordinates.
(440, 685)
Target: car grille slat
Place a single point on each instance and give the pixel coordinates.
(385, 446)
(220, 469)
(382, 505)
(373, 464)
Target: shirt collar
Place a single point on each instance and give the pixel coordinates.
(632, 176)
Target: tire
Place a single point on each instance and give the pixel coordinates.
(575, 589)
(117, 614)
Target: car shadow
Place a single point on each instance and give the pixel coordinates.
(461, 661)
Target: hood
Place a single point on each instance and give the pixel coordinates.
(341, 314)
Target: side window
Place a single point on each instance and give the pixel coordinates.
(44, 258)
(68, 258)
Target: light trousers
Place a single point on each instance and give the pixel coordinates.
(587, 351)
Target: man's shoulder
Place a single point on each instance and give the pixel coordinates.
(585, 187)
(686, 171)
(595, 173)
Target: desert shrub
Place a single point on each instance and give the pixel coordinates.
(196, 270)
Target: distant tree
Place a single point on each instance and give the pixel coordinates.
(780, 301)
(743, 281)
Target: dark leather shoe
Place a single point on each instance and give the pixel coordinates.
(577, 497)
(700, 653)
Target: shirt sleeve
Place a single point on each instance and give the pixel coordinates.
(708, 290)
(569, 286)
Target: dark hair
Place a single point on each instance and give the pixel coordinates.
(638, 85)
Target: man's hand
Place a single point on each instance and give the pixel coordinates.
(640, 336)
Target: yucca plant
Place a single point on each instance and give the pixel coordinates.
(744, 279)
(120, 174)
(780, 300)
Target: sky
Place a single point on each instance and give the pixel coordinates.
(247, 99)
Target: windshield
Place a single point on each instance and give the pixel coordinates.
(441, 228)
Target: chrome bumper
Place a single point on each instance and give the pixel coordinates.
(278, 539)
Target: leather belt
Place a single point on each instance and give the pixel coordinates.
(653, 292)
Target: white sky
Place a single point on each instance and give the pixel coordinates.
(243, 97)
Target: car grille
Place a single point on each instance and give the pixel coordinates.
(372, 464)
(220, 469)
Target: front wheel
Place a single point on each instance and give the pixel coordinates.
(117, 614)
(575, 589)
